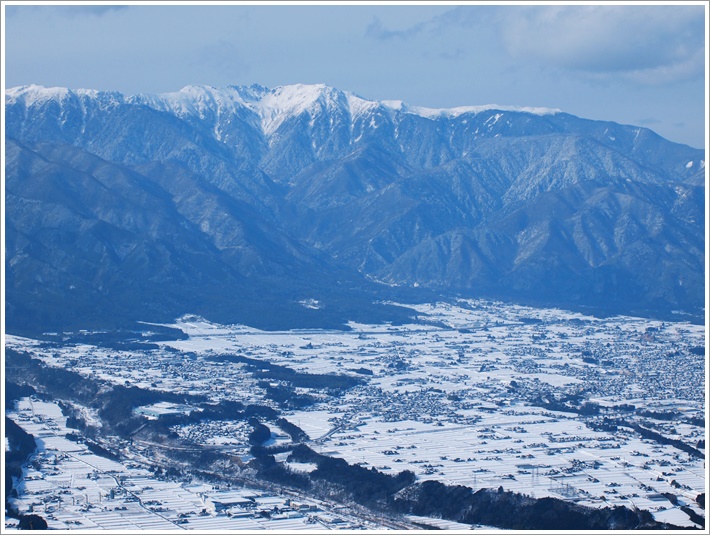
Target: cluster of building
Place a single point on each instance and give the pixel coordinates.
(73, 488)
(479, 393)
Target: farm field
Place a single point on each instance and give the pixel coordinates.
(542, 402)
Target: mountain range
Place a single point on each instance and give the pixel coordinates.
(304, 205)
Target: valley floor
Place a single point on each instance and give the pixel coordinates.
(542, 402)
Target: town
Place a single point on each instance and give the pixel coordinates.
(543, 402)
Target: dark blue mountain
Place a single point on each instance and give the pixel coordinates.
(243, 202)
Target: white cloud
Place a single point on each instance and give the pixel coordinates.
(647, 44)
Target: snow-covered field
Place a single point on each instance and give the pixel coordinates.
(461, 396)
(72, 488)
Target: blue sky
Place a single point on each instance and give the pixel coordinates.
(636, 64)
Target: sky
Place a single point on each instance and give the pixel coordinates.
(640, 64)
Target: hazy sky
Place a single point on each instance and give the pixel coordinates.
(639, 64)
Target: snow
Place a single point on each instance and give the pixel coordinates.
(674, 516)
(311, 303)
(269, 108)
(35, 94)
(284, 101)
(404, 418)
(493, 118)
(360, 106)
(432, 113)
(193, 100)
(396, 105)
(74, 488)
(439, 523)
(689, 165)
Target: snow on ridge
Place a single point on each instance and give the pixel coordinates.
(284, 101)
(193, 100)
(359, 105)
(33, 94)
(272, 106)
(432, 113)
(396, 105)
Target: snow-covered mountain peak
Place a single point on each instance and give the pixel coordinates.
(359, 105)
(31, 95)
(38, 95)
(237, 191)
(194, 100)
(396, 105)
(270, 107)
(287, 101)
(292, 98)
(432, 113)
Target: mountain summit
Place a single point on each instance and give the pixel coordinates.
(243, 201)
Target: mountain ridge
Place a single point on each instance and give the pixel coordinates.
(304, 183)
